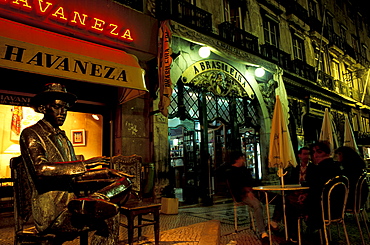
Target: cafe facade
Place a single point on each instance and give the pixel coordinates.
(102, 51)
(218, 105)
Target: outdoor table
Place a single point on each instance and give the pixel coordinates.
(281, 188)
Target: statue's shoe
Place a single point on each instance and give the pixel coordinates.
(94, 208)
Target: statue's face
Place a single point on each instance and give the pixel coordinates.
(56, 112)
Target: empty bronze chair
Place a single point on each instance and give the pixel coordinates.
(136, 207)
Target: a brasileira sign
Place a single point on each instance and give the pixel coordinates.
(222, 77)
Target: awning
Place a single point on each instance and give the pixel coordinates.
(35, 50)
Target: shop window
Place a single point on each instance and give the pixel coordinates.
(16, 118)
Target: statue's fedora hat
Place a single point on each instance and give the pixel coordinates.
(53, 91)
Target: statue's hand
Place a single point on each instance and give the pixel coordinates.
(97, 161)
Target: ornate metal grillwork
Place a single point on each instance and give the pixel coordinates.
(240, 111)
(187, 97)
(172, 108)
(191, 102)
(217, 107)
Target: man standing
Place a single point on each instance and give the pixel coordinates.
(50, 162)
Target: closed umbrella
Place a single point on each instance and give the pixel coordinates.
(281, 153)
(328, 131)
(349, 138)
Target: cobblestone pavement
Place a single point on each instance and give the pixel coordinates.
(184, 228)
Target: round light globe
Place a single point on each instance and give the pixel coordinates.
(204, 52)
(259, 72)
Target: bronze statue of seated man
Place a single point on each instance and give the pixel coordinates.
(53, 169)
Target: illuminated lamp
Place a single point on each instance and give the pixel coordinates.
(96, 117)
(259, 72)
(204, 52)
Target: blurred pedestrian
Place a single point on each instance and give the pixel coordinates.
(241, 184)
(353, 166)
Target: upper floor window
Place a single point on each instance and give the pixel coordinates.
(343, 32)
(320, 61)
(359, 21)
(350, 11)
(364, 51)
(340, 4)
(335, 70)
(365, 124)
(355, 43)
(233, 13)
(271, 31)
(298, 47)
(312, 8)
(329, 22)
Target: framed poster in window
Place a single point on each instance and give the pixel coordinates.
(78, 137)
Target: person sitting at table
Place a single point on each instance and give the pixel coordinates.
(294, 199)
(297, 175)
(325, 168)
(241, 183)
(353, 166)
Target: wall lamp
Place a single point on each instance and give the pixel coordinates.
(259, 72)
(204, 52)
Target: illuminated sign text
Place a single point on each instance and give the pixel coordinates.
(78, 19)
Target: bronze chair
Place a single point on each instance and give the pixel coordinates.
(136, 207)
(333, 203)
(236, 206)
(358, 208)
(25, 233)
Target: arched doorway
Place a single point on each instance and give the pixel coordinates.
(224, 117)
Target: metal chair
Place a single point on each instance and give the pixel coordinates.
(24, 232)
(236, 206)
(136, 207)
(358, 208)
(333, 203)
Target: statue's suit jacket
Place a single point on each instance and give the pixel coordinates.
(51, 168)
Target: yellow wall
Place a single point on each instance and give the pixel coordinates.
(75, 120)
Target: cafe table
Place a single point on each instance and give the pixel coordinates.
(282, 188)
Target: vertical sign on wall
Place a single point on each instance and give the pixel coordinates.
(164, 67)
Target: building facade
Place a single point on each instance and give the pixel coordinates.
(315, 57)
